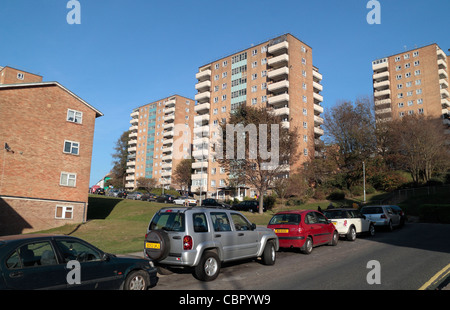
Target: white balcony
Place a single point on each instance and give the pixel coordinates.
(281, 111)
(380, 64)
(134, 121)
(168, 126)
(383, 111)
(129, 185)
(203, 96)
(199, 176)
(443, 83)
(166, 166)
(202, 107)
(169, 118)
(283, 71)
(318, 108)
(445, 103)
(167, 149)
(278, 60)
(285, 124)
(440, 53)
(386, 92)
(167, 134)
(205, 74)
(381, 85)
(132, 142)
(317, 76)
(443, 73)
(200, 165)
(317, 86)
(201, 86)
(278, 86)
(442, 63)
(170, 103)
(132, 149)
(130, 177)
(131, 170)
(317, 97)
(318, 131)
(200, 153)
(169, 110)
(133, 128)
(135, 114)
(200, 140)
(279, 47)
(167, 141)
(132, 135)
(131, 163)
(202, 130)
(382, 102)
(381, 76)
(278, 99)
(444, 93)
(166, 173)
(318, 120)
(201, 118)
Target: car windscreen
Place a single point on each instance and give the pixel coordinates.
(287, 219)
(168, 220)
(335, 214)
(372, 210)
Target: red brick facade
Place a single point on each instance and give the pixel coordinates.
(46, 165)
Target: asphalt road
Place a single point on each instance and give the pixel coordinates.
(408, 257)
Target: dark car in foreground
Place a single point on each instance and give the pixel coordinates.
(29, 262)
(165, 198)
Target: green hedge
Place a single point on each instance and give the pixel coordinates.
(436, 213)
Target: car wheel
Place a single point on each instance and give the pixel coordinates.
(158, 237)
(351, 235)
(390, 227)
(137, 281)
(269, 255)
(334, 239)
(209, 267)
(307, 246)
(371, 230)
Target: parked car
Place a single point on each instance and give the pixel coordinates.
(383, 216)
(182, 200)
(100, 191)
(39, 261)
(165, 198)
(403, 217)
(349, 222)
(149, 197)
(122, 194)
(211, 202)
(303, 229)
(112, 192)
(135, 195)
(248, 205)
(203, 238)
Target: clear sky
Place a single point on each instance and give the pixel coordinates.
(125, 54)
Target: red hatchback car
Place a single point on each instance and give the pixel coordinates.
(303, 229)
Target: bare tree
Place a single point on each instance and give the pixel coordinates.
(419, 145)
(147, 183)
(182, 174)
(255, 149)
(120, 156)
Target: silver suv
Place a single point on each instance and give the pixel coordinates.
(203, 238)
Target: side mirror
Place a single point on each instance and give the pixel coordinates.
(253, 226)
(105, 257)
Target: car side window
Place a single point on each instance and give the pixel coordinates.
(220, 221)
(321, 219)
(32, 254)
(310, 218)
(200, 224)
(74, 250)
(240, 223)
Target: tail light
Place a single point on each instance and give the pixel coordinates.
(299, 230)
(383, 216)
(187, 243)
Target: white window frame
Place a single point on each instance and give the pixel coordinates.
(69, 176)
(76, 115)
(72, 147)
(65, 211)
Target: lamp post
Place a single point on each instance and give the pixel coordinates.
(364, 180)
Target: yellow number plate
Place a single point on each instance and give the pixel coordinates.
(152, 245)
(281, 231)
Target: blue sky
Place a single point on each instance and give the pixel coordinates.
(125, 54)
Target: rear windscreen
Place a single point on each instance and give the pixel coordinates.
(168, 221)
(372, 210)
(289, 219)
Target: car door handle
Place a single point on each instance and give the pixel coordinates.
(218, 236)
(16, 274)
(176, 237)
(240, 234)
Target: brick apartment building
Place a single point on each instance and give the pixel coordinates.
(278, 74)
(413, 82)
(46, 138)
(153, 151)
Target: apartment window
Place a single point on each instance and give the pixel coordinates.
(305, 125)
(409, 94)
(224, 74)
(398, 68)
(216, 66)
(20, 76)
(213, 183)
(399, 76)
(254, 52)
(216, 77)
(264, 86)
(263, 98)
(304, 86)
(304, 73)
(224, 86)
(305, 111)
(410, 103)
(419, 91)
(254, 64)
(264, 73)
(421, 111)
(407, 75)
(410, 112)
(74, 116)
(401, 114)
(303, 49)
(213, 170)
(305, 152)
(400, 104)
(254, 89)
(254, 76)
(263, 61)
(64, 212)
(416, 63)
(254, 101)
(263, 49)
(400, 95)
(224, 109)
(224, 63)
(416, 53)
(222, 182)
(71, 147)
(399, 86)
(408, 84)
(68, 179)
(406, 56)
(408, 65)
(397, 58)
(216, 99)
(215, 111)
(305, 138)
(224, 97)
(418, 82)
(417, 72)
(303, 61)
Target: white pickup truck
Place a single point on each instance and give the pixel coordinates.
(350, 222)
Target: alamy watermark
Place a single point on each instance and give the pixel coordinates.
(74, 15)
(374, 275)
(374, 16)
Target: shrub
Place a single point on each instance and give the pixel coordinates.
(336, 195)
(436, 213)
(357, 190)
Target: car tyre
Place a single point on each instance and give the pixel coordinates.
(208, 268)
(351, 234)
(269, 255)
(307, 246)
(137, 280)
(334, 239)
(161, 237)
(371, 230)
